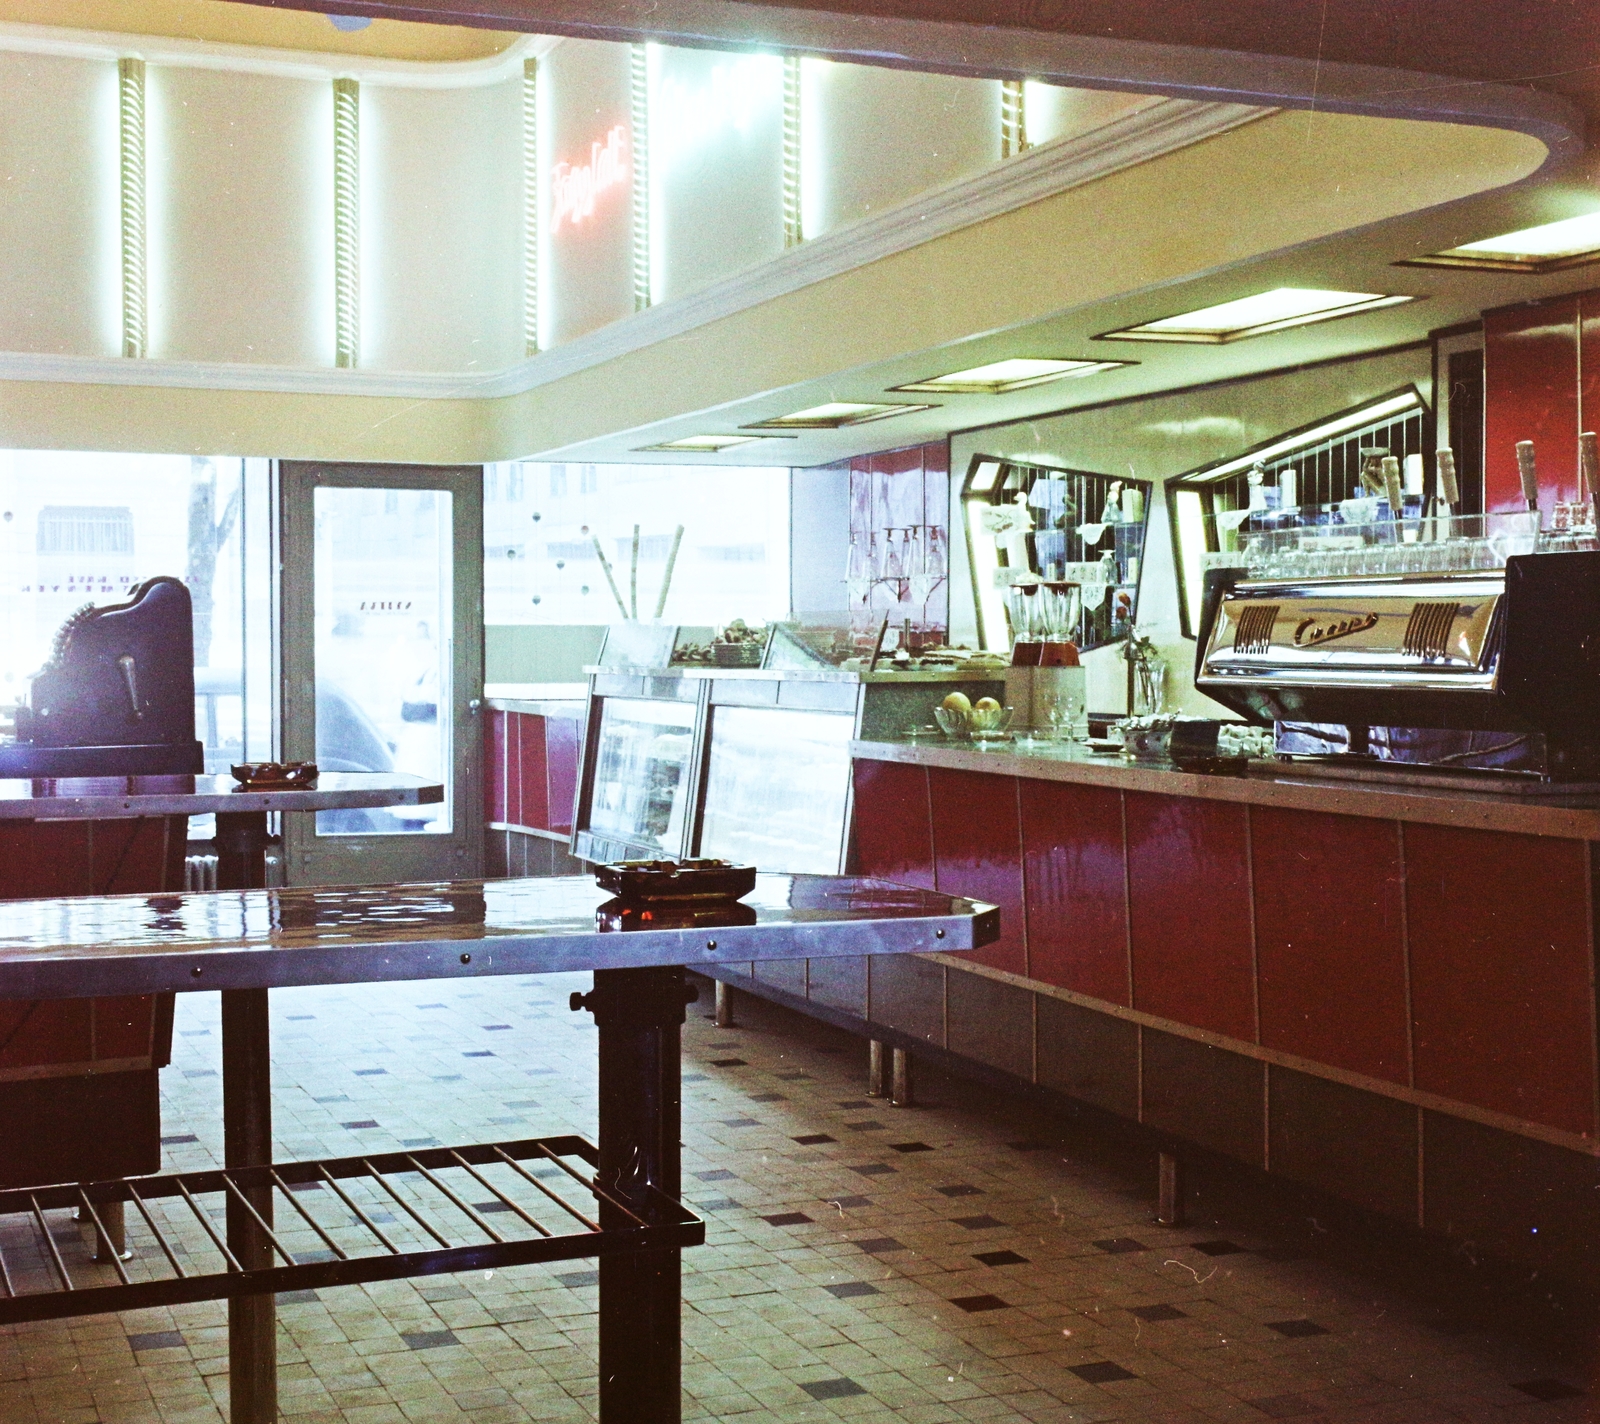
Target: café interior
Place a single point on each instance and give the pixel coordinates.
(1041, 562)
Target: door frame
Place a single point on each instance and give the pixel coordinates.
(309, 859)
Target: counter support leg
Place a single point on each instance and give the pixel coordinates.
(241, 850)
(1169, 1208)
(114, 1240)
(877, 1069)
(901, 1088)
(639, 1012)
(724, 1005)
(247, 1142)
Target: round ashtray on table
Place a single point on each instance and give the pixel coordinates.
(1103, 746)
(275, 775)
(676, 882)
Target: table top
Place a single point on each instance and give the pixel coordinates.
(118, 797)
(1550, 813)
(251, 939)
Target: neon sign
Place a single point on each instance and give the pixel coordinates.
(574, 188)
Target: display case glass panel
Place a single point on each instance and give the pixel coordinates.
(642, 793)
(777, 788)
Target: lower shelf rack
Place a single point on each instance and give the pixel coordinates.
(348, 1220)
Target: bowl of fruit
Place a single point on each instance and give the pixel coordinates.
(983, 720)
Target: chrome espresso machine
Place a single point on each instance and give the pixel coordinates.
(1491, 673)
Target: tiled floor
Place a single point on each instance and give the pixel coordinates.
(965, 1260)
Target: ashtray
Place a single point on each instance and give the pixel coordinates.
(1104, 746)
(275, 775)
(676, 881)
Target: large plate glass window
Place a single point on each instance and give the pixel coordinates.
(1032, 523)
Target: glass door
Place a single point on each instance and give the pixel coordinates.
(382, 581)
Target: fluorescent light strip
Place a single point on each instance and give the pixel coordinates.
(1017, 373)
(130, 113)
(704, 444)
(834, 415)
(347, 221)
(1550, 247)
(1256, 315)
(1395, 405)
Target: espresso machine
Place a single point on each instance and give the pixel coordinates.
(1490, 673)
(116, 697)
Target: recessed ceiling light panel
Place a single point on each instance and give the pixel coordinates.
(1277, 310)
(703, 444)
(1550, 247)
(835, 414)
(1018, 373)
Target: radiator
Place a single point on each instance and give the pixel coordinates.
(200, 872)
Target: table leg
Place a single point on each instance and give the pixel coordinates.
(247, 1142)
(639, 1012)
(241, 850)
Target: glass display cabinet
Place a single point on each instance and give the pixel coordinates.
(1030, 524)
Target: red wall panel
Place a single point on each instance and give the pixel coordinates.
(1075, 878)
(1330, 942)
(893, 832)
(1189, 903)
(533, 799)
(1501, 989)
(1530, 363)
(563, 741)
(1589, 362)
(977, 847)
(494, 766)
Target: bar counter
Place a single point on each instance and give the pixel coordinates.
(1383, 991)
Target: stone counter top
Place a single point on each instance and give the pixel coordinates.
(1565, 817)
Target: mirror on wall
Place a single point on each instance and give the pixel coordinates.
(1033, 524)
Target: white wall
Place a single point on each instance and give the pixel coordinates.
(240, 216)
(1156, 439)
(441, 215)
(60, 278)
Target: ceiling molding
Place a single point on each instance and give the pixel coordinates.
(1159, 127)
(281, 63)
(992, 50)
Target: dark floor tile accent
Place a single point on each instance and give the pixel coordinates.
(357, 1126)
(768, 1098)
(1029, 1146)
(728, 1063)
(179, 1140)
(976, 1304)
(959, 1189)
(300, 1018)
(523, 1103)
(372, 1072)
(156, 1340)
(787, 1218)
(725, 1044)
(200, 1073)
(1215, 1248)
(866, 1125)
(419, 1142)
(576, 1280)
(1297, 1329)
(1001, 1258)
(447, 1078)
(977, 1223)
(1157, 1312)
(1101, 1372)
(717, 1204)
(873, 1169)
(337, 1098)
(740, 1122)
(305, 1186)
(849, 1290)
(484, 1208)
(315, 1258)
(478, 1053)
(1548, 1390)
(814, 1139)
(299, 1297)
(1119, 1245)
(495, 1028)
(833, 1389)
(687, 1077)
(430, 1006)
(430, 1339)
(720, 1174)
(1284, 1406)
(910, 1147)
(855, 1104)
(849, 1203)
(877, 1245)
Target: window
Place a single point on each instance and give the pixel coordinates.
(542, 565)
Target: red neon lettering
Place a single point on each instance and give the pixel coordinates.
(575, 187)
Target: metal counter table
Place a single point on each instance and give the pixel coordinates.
(241, 815)
(245, 943)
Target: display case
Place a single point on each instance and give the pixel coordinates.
(1030, 524)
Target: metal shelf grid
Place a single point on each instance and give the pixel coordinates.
(343, 1221)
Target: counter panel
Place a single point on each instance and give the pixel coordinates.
(893, 824)
(1330, 939)
(1189, 912)
(977, 842)
(1502, 987)
(1076, 877)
